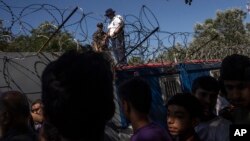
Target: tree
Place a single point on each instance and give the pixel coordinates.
(224, 35)
(175, 53)
(135, 60)
(62, 41)
(5, 36)
(214, 39)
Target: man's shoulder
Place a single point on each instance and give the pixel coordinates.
(119, 17)
(99, 33)
(214, 123)
(151, 132)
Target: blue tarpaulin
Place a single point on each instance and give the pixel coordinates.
(158, 111)
(187, 73)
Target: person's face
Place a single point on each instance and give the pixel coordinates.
(110, 16)
(238, 93)
(37, 108)
(207, 98)
(178, 120)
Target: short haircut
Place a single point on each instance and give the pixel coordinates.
(207, 83)
(235, 67)
(137, 92)
(188, 102)
(37, 101)
(15, 103)
(77, 93)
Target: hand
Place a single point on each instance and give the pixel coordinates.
(112, 35)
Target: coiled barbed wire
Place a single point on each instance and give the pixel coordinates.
(137, 27)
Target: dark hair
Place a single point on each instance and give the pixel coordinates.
(188, 102)
(99, 25)
(137, 92)
(77, 93)
(235, 67)
(109, 12)
(16, 104)
(207, 83)
(37, 101)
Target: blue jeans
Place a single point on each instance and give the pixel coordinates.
(118, 50)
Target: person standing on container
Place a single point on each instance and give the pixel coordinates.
(116, 35)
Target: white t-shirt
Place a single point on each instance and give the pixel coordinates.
(221, 104)
(216, 129)
(114, 24)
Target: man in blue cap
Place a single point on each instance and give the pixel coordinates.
(116, 35)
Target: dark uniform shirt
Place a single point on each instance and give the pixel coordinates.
(99, 40)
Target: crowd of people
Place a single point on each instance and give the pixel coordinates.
(77, 102)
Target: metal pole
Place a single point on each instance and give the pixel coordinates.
(156, 29)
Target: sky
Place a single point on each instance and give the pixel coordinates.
(171, 15)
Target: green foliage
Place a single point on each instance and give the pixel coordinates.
(175, 53)
(224, 35)
(62, 41)
(214, 39)
(135, 60)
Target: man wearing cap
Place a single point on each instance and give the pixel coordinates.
(100, 39)
(116, 35)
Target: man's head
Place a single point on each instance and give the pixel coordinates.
(136, 95)
(14, 110)
(184, 111)
(77, 93)
(99, 25)
(36, 107)
(235, 72)
(206, 89)
(110, 13)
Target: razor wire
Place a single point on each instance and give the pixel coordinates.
(18, 22)
(136, 27)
